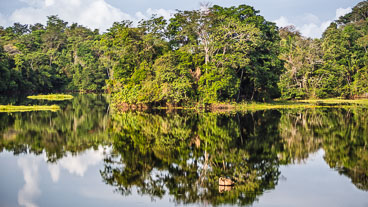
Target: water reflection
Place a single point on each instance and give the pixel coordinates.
(30, 190)
(194, 150)
(76, 164)
(342, 133)
(182, 155)
(80, 125)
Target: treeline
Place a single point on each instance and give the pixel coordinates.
(334, 66)
(210, 55)
(55, 57)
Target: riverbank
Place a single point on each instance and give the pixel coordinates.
(252, 106)
(294, 104)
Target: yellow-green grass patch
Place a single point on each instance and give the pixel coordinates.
(52, 97)
(11, 108)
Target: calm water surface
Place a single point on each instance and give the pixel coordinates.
(84, 155)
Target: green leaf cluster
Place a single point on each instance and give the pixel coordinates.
(50, 58)
(333, 66)
(198, 56)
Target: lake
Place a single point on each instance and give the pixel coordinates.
(86, 155)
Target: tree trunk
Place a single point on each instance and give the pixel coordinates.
(241, 79)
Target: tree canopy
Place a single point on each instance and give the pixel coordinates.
(333, 66)
(214, 54)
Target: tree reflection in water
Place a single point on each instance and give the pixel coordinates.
(342, 133)
(183, 154)
(80, 125)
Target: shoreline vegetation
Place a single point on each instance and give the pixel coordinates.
(11, 108)
(52, 97)
(253, 106)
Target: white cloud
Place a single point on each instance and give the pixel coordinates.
(30, 190)
(140, 15)
(91, 13)
(95, 14)
(282, 22)
(310, 25)
(313, 30)
(100, 15)
(49, 3)
(311, 18)
(341, 12)
(28, 16)
(167, 14)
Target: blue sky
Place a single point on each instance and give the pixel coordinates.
(311, 17)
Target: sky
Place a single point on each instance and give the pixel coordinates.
(311, 17)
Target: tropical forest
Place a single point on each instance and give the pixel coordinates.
(213, 106)
(205, 56)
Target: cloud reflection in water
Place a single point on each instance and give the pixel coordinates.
(77, 165)
(30, 190)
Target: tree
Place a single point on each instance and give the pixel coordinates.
(303, 60)
(333, 66)
(229, 41)
(359, 12)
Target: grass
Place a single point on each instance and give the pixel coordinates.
(335, 101)
(52, 97)
(295, 104)
(11, 108)
(274, 105)
(250, 106)
(300, 104)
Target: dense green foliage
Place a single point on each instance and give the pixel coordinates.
(204, 56)
(334, 66)
(55, 57)
(208, 55)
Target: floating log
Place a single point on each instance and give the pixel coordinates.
(225, 182)
(223, 188)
